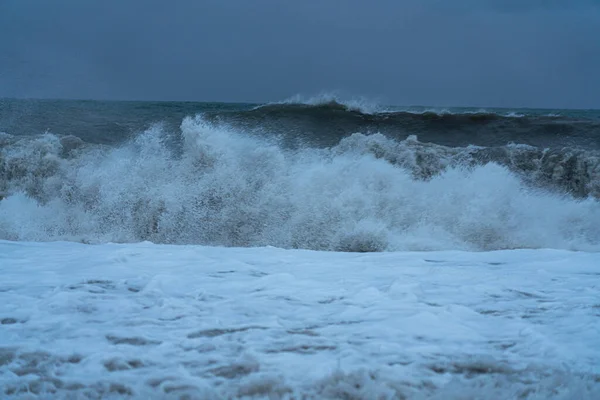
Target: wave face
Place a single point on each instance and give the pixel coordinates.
(215, 182)
(325, 121)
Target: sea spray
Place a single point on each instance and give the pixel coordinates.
(225, 187)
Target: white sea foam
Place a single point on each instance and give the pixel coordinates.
(231, 189)
(149, 321)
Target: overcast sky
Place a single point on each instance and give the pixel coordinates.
(511, 53)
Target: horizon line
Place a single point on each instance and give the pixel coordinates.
(281, 101)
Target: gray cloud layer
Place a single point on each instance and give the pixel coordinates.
(490, 53)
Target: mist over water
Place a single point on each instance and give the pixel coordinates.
(218, 184)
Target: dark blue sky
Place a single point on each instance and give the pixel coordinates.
(510, 53)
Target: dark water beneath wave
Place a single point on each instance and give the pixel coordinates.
(106, 122)
(330, 122)
(323, 123)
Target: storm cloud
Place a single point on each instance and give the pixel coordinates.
(528, 53)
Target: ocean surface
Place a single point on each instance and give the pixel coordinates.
(318, 174)
(307, 249)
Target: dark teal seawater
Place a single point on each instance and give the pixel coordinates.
(97, 121)
(112, 122)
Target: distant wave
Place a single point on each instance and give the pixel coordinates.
(366, 109)
(427, 114)
(366, 106)
(327, 120)
(225, 186)
(360, 104)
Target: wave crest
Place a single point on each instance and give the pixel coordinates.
(326, 120)
(333, 101)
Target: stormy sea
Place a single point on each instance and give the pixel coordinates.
(308, 248)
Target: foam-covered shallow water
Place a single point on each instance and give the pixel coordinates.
(150, 321)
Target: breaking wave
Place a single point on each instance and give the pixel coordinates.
(356, 104)
(223, 186)
(325, 120)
